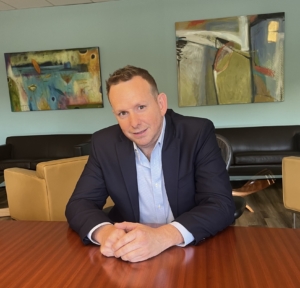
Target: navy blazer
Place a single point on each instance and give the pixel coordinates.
(195, 176)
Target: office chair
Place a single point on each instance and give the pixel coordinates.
(226, 151)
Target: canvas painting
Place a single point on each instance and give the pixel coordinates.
(54, 79)
(230, 60)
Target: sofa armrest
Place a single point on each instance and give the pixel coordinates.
(82, 149)
(297, 141)
(5, 151)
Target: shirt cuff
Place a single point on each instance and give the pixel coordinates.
(187, 235)
(96, 227)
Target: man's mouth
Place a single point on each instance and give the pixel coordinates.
(140, 132)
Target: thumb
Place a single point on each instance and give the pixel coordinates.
(127, 226)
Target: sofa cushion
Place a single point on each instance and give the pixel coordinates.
(263, 157)
(34, 162)
(45, 146)
(267, 138)
(11, 163)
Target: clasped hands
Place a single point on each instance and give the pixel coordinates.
(136, 242)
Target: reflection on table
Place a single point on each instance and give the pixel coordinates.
(50, 254)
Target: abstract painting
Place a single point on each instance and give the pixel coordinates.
(54, 79)
(230, 60)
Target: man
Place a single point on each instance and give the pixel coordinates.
(158, 167)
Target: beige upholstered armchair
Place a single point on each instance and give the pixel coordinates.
(290, 185)
(42, 195)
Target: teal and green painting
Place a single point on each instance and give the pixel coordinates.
(54, 79)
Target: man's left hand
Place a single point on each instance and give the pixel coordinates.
(142, 242)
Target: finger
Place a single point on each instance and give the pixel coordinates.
(106, 251)
(127, 226)
(124, 241)
(129, 251)
(136, 255)
(107, 248)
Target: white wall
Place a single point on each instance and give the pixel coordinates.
(141, 33)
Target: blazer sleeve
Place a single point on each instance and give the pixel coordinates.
(84, 209)
(211, 206)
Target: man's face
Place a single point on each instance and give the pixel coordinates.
(139, 112)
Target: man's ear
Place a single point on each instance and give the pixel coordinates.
(162, 101)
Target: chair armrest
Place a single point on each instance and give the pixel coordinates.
(26, 195)
(61, 177)
(5, 151)
(82, 149)
(72, 163)
(42, 195)
(290, 184)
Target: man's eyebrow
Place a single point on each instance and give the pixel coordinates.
(119, 110)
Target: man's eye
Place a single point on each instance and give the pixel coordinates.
(123, 113)
(142, 107)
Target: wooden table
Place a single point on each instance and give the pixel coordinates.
(49, 254)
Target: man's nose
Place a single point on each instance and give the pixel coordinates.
(134, 120)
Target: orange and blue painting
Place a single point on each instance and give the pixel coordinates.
(54, 79)
(230, 60)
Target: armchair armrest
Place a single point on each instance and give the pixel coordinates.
(42, 195)
(5, 151)
(82, 149)
(290, 184)
(26, 195)
(61, 177)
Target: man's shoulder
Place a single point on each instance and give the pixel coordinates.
(108, 135)
(180, 120)
(188, 129)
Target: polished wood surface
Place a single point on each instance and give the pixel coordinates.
(49, 254)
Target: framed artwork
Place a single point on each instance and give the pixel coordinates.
(54, 79)
(230, 60)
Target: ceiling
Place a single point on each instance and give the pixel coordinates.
(25, 4)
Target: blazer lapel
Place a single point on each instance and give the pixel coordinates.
(170, 164)
(126, 158)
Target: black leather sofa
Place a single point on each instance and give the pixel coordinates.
(254, 148)
(27, 151)
(257, 148)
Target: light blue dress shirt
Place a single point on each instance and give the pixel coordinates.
(153, 200)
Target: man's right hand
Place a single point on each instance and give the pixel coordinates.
(107, 236)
